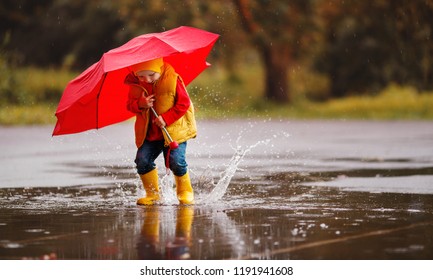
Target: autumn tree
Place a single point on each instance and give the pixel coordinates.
(369, 44)
(54, 32)
(214, 16)
(280, 32)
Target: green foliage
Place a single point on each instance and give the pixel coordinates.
(359, 46)
(376, 56)
(306, 84)
(55, 32)
(216, 96)
(7, 82)
(42, 85)
(370, 44)
(281, 32)
(394, 102)
(27, 115)
(30, 85)
(216, 93)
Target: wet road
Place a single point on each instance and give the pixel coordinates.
(301, 190)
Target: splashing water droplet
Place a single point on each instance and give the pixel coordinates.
(168, 191)
(221, 187)
(205, 190)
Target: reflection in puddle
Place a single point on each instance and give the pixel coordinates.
(159, 240)
(286, 221)
(263, 215)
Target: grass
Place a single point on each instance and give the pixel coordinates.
(218, 94)
(27, 115)
(393, 103)
(42, 85)
(28, 96)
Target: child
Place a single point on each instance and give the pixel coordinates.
(155, 84)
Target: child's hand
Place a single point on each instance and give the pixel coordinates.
(159, 121)
(146, 102)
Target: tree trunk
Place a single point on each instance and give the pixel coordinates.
(276, 60)
(275, 54)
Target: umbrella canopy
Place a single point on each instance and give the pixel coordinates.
(98, 96)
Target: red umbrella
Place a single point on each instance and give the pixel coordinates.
(98, 96)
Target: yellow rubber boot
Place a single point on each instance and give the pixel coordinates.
(185, 193)
(150, 185)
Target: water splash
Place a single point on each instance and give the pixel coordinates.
(206, 190)
(168, 191)
(220, 188)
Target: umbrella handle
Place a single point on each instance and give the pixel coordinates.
(173, 144)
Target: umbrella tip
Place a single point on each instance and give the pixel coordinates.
(174, 145)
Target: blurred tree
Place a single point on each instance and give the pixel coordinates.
(76, 33)
(280, 30)
(155, 16)
(7, 75)
(362, 45)
(369, 44)
(53, 32)
(16, 16)
(215, 16)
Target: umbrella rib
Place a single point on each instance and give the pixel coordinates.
(97, 100)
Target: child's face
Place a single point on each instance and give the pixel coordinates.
(148, 76)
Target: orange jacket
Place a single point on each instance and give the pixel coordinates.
(164, 91)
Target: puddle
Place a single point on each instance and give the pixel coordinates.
(273, 217)
(285, 190)
(288, 223)
(418, 184)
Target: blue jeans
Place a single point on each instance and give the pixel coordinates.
(150, 150)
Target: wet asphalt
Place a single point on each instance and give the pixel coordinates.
(302, 190)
